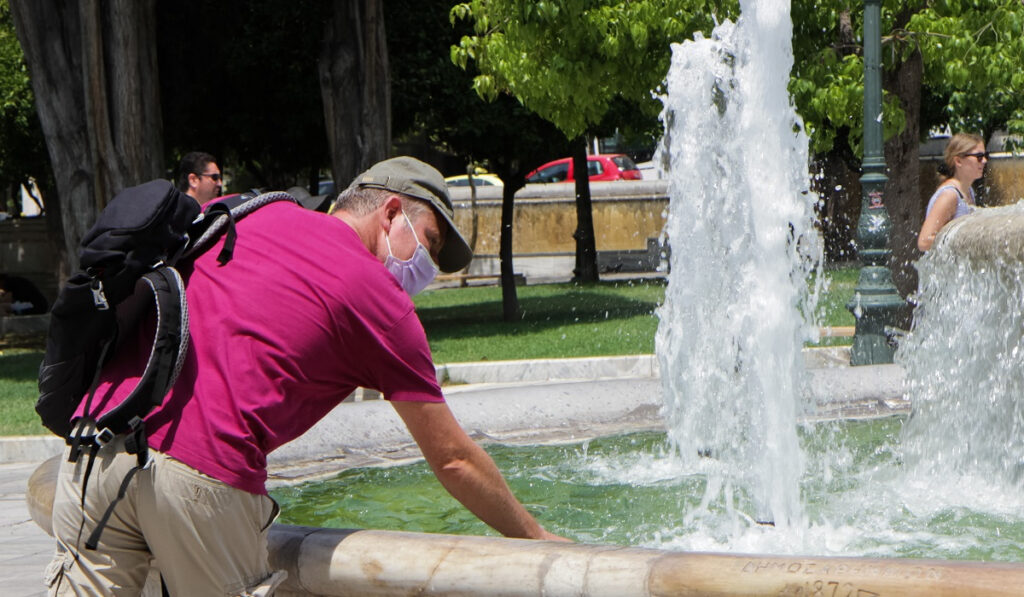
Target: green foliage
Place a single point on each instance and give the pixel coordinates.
(567, 60)
(827, 81)
(15, 86)
(973, 55)
(22, 150)
(432, 97)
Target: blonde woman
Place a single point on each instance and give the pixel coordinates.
(964, 162)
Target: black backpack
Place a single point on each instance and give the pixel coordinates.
(128, 262)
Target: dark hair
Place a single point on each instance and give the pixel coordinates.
(193, 163)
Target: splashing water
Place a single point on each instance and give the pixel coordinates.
(741, 229)
(963, 358)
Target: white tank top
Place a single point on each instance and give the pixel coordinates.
(962, 206)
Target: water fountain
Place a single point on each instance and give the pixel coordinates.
(741, 226)
(966, 348)
(748, 357)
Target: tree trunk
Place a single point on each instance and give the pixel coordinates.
(355, 88)
(94, 75)
(586, 247)
(509, 298)
(902, 155)
(838, 189)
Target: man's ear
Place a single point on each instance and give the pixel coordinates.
(392, 209)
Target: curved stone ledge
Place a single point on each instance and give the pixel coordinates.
(332, 562)
(989, 234)
(388, 563)
(344, 563)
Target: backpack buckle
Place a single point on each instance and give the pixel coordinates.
(104, 437)
(99, 298)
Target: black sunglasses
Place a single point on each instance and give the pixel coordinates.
(981, 155)
(215, 177)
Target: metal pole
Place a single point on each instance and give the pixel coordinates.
(875, 301)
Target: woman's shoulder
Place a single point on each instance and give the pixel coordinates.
(948, 185)
(944, 200)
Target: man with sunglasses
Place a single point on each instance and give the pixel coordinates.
(199, 177)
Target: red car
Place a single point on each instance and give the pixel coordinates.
(612, 166)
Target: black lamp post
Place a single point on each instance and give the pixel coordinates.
(875, 301)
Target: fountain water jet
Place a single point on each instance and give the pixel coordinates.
(741, 227)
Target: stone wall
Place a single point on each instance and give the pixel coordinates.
(628, 221)
(26, 251)
(629, 217)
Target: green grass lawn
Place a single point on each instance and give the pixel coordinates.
(558, 320)
(564, 320)
(464, 324)
(18, 371)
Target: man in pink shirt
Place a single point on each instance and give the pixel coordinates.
(311, 306)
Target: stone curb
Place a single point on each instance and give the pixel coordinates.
(36, 448)
(461, 377)
(29, 448)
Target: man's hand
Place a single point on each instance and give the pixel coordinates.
(467, 471)
(553, 537)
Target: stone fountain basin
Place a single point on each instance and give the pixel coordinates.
(511, 405)
(560, 400)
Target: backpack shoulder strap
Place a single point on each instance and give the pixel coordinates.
(220, 217)
(166, 355)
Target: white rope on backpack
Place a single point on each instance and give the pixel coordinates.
(184, 336)
(259, 201)
(215, 229)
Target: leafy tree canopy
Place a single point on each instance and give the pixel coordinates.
(22, 149)
(973, 54)
(567, 60)
(434, 98)
(974, 57)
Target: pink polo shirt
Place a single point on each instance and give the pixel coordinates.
(301, 316)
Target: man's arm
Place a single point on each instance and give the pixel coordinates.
(467, 471)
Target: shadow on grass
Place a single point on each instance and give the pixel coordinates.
(556, 307)
(20, 365)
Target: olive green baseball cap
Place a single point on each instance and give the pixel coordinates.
(413, 178)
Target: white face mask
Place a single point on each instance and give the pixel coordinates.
(415, 273)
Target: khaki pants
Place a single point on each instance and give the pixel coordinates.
(206, 537)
